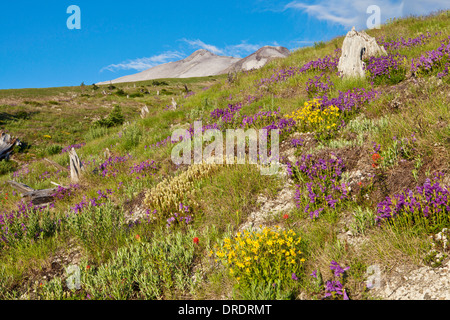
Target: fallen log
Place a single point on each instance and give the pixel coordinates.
(56, 165)
(40, 197)
(22, 188)
(58, 185)
(37, 197)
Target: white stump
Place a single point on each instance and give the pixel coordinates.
(76, 167)
(357, 46)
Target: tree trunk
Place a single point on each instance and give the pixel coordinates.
(37, 197)
(22, 188)
(6, 145)
(357, 47)
(144, 112)
(174, 104)
(40, 197)
(76, 167)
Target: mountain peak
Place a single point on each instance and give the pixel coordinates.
(200, 53)
(202, 63)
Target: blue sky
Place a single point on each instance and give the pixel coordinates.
(118, 38)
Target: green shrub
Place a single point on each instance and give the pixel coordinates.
(95, 133)
(98, 226)
(136, 95)
(131, 137)
(121, 93)
(159, 83)
(146, 270)
(115, 118)
(6, 281)
(53, 149)
(7, 166)
(165, 92)
(52, 290)
(22, 115)
(30, 224)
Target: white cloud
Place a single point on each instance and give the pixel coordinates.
(142, 64)
(350, 13)
(417, 7)
(325, 12)
(201, 45)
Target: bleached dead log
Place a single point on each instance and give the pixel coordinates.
(7, 144)
(37, 197)
(144, 112)
(58, 185)
(56, 165)
(76, 167)
(40, 197)
(22, 188)
(357, 47)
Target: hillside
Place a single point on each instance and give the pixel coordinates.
(361, 196)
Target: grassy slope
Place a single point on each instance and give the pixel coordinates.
(226, 198)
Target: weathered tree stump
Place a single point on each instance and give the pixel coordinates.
(357, 47)
(174, 104)
(76, 167)
(7, 144)
(107, 153)
(144, 112)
